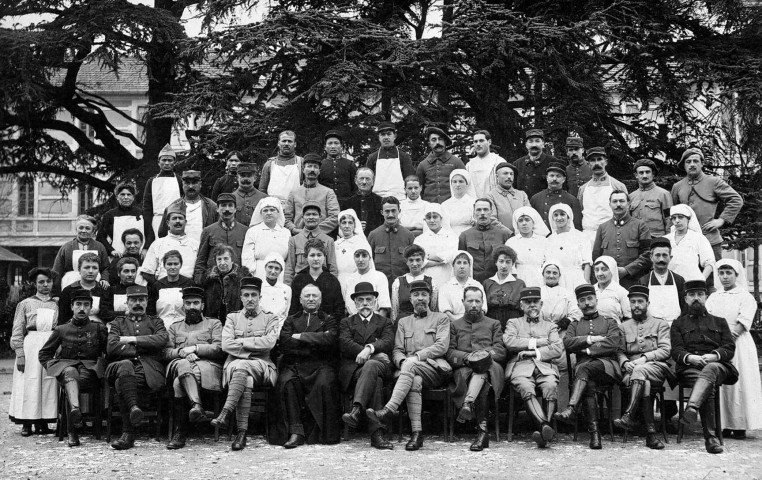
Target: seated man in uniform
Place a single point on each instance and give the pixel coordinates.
(365, 340)
(135, 342)
(595, 341)
(248, 337)
(194, 353)
(79, 366)
(420, 344)
(703, 347)
(469, 334)
(536, 345)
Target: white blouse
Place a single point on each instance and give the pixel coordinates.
(531, 255)
(690, 252)
(445, 244)
(460, 212)
(259, 242)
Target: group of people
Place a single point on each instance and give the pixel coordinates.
(331, 280)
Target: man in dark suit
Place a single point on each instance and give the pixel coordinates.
(366, 340)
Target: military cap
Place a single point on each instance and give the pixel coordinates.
(385, 126)
(502, 165)
(191, 174)
(438, 131)
(193, 292)
(418, 285)
(246, 167)
(584, 290)
(136, 291)
(251, 282)
(81, 294)
(534, 132)
(575, 142)
(333, 134)
(556, 167)
(176, 207)
(661, 242)
(695, 285)
(646, 162)
(596, 151)
(638, 291)
(311, 158)
(530, 293)
(311, 204)
(167, 151)
(225, 198)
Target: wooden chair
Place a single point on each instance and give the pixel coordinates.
(96, 416)
(145, 399)
(441, 395)
(512, 394)
(604, 394)
(216, 398)
(657, 392)
(681, 409)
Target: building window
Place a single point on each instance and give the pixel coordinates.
(85, 198)
(26, 197)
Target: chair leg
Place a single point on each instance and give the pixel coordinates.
(622, 401)
(717, 416)
(98, 406)
(267, 424)
(170, 423)
(216, 413)
(497, 418)
(446, 418)
(62, 418)
(610, 407)
(680, 411)
(109, 413)
(511, 411)
(663, 416)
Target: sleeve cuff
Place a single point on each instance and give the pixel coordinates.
(372, 348)
(532, 344)
(538, 354)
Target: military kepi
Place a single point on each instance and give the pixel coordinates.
(530, 293)
(193, 292)
(638, 291)
(584, 290)
(225, 198)
(692, 285)
(136, 291)
(419, 285)
(81, 294)
(191, 175)
(534, 132)
(247, 167)
(251, 282)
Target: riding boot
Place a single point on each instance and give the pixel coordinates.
(181, 430)
(702, 389)
(591, 410)
(627, 421)
(196, 413)
(708, 424)
(652, 438)
(571, 411)
(534, 407)
(72, 394)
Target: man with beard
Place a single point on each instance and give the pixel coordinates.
(593, 195)
(246, 195)
(160, 191)
(135, 343)
(337, 172)
(365, 341)
(194, 352)
(312, 191)
(200, 212)
(650, 203)
(595, 341)
(68, 255)
(248, 337)
(114, 302)
(482, 166)
(644, 362)
(626, 239)
(125, 216)
(480, 239)
(420, 345)
(389, 241)
(531, 168)
(296, 260)
(364, 202)
(88, 280)
(537, 346)
(228, 183)
(132, 239)
(554, 194)
(282, 174)
(704, 194)
(152, 268)
(702, 347)
(578, 172)
(226, 231)
(389, 164)
(434, 170)
(79, 366)
(504, 197)
(307, 378)
(470, 388)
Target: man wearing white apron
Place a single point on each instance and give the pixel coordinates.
(594, 195)
(160, 191)
(153, 267)
(389, 164)
(125, 216)
(283, 173)
(482, 166)
(667, 299)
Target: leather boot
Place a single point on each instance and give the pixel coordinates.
(701, 391)
(377, 440)
(294, 441)
(481, 442)
(627, 421)
(41, 428)
(591, 410)
(240, 441)
(72, 393)
(26, 429)
(73, 440)
(125, 442)
(466, 412)
(197, 414)
(352, 419)
(178, 437)
(415, 443)
(379, 416)
(652, 437)
(534, 407)
(571, 411)
(222, 419)
(136, 416)
(708, 424)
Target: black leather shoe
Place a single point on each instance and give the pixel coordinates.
(26, 430)
(466, 412)
(739, 434)
(690, 415)
(653, 442)
(379, 416)
(352, 419)
(378, 441)
(481, 442)
(537, 438)
(76, 417)
(177, 442)
(240, 441)
(415, 443)
(125, 442)
(569, 415)
(595, 436)
(41, 428)
(197, 414)
(547, 432)
(713, 445)
(294, 441)
(222, 419)
(136, 416)
(625, 422)
(73, 440)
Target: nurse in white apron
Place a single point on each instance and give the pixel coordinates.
(34, 395)
(266, 235)
(276, 295)
(164, 187)
(284, 179)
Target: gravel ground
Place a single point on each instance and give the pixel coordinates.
(45, 457)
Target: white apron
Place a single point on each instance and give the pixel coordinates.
(95, 310)
(73, 276)
(595, 209)
(164, 190)
(194, 216)
(664, 303)
(169, 306)
(274, 301)
(120, 225)
(120, 303)
(389, 181)
(283, 179)
(34, 395)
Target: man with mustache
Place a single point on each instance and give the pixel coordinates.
(226, 231)
(555, 194)
(595, 341)
(365, 202)
(337, 172)
(531, 168)
(472, 333)
(594, 195)
(482, 238)
(296, 260)
(160, 191)
(420, 345)
(704, 193)
(389, 164)
(644, 362)
(194, 353)
(132, 239)
(282, 173)
(666, 288)
(152, 268)
(312, 191)
(365, 341)
(228, 183)
(125, 216)
(135, 343)
(536, 347)
(504, 197)
(434, 170)
(650, 203)
(65, 263)
(114, 302)
(389, 241)
(482, 166)
(200, 212)
(702, 347)
(624, 238)
(246, 195)
(578, 172)
(79, 366)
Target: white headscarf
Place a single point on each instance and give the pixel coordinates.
(683, 209)
(277, 258)
(548, 262)
(470, 262)
(469, 184)
(256, 217)
(612, 266)
(566, 208)
(540, 229)
(435, 208)
(358, 225)
(741, 282)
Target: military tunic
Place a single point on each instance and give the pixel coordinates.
(648, 339)
(206, 336)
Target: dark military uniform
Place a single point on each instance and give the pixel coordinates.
(82, 348)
